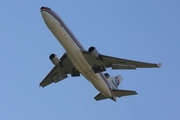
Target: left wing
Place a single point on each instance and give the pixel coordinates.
(59, 73)
(117, 63)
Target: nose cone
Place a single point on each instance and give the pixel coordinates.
(44, 12)
(45, 15)
(44, 8)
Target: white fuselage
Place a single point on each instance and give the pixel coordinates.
(73, 49)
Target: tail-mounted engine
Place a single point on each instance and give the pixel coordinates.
(54, 59)
(107, 75)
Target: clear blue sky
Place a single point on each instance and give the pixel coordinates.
(139, 30)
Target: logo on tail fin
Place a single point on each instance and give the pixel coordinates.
(117, 81)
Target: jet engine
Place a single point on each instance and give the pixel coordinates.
(99, 68)
(107, 75)
(94, 53)
(54, 59)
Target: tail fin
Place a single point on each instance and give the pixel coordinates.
(117, 80)
(116, 93)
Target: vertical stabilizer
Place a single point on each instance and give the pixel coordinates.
(117, 80)
(114, 81)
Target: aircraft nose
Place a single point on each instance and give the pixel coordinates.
(45, 8)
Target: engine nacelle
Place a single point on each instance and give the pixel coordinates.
(54, 59)
(107, 75)
(94, 53)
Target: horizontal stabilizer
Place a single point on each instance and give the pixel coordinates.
(160, 64)
(100, 96)
(119, 93)
(116, 93)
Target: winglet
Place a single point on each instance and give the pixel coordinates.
(159, 64)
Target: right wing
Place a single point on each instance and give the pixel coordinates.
(58, 73)
(55, 75)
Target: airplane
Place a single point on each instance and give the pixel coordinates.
(90, 63)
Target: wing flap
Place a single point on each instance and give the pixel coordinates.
(119, 66)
